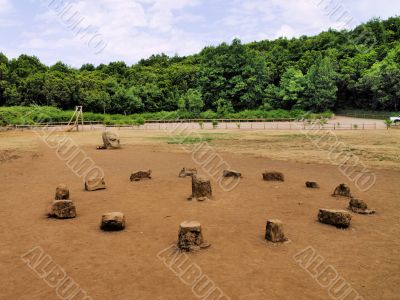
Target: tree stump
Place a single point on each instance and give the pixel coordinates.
(231, 173)
(113, 221)
(137, 176)
(335, 217)
(201, 188)
(187, 172)
(273, 176)
(360, 207)
(190, 236)
(95, 184)
(110, 140)
(312, 185)
(274, 231)
(62, 192)
(342, 190)
(62, 209)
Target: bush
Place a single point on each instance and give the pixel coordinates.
(19, 115)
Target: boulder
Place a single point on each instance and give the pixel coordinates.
(110, 141)
(273, 176)
(274, 231)
(113, 221)
(335, 217)
(95, 184)
(312, 185)
(190, 236)
(62, 209)
(201, 188)
(62, 192)
(231, 173)
(360, 207)
(342, 190)
(137, 176)
(187, 172)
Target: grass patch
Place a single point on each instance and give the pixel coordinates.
(188, 140)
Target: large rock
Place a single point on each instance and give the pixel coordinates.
(62, 192)
(95, 184)
(187, 172)
(110, 141)
(201, 188)
(335, 217)
(62, 209)
(273, 176)
(137, 176)
(274, 231)
(231, 173)
(360, 207)
(113, 221)
(190, 236)
(342, 190)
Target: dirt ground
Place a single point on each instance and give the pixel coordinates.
(124, 265)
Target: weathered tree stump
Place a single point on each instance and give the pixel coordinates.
(360, 207)
(62, 209)
(312, 185)
(231, 173)
(335, 217)
(201, 188)
(185, 172)
(274, 231)
(95, 184)
(273, 176)
(342, 190)
(62, 192)
(110, 140)
(137, 176)
(113, 221)
(190, 236)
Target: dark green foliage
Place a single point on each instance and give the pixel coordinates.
(335, 69)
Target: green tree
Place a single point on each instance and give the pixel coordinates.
(191, 102)
(224, 107)
(292, 86)
(320, 86)
(383, 79)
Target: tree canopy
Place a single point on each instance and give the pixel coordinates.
(358, 69)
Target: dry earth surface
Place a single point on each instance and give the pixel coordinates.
(124, 265)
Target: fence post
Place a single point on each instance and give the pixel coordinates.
(334, 126)
(363, 126)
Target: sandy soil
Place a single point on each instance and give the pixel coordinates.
(124, 265)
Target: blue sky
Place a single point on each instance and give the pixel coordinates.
(100, 31)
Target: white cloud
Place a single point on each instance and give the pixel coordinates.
(285, 31)
(5, 6)
(131, 29)
(135, 29)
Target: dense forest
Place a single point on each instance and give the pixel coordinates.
(335, 69)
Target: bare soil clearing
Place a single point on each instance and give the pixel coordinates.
(124, 265)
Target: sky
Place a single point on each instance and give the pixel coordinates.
(100, 31)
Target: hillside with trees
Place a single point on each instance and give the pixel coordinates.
(335, 69)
